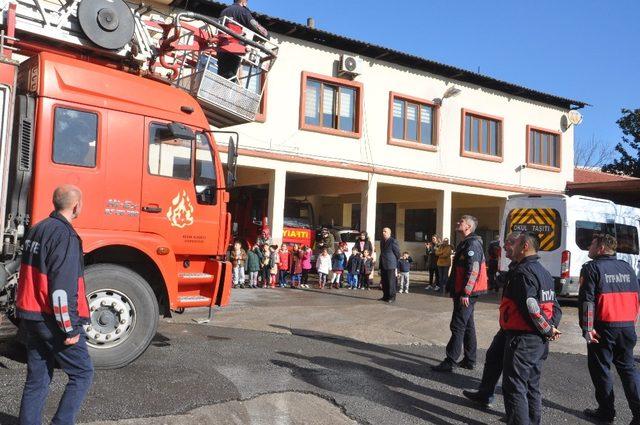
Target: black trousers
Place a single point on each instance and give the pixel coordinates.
(493, 366)
(615, 346)
(228, 65)
(524, 355)
(388, 283)
(463, 332)
(433, 277)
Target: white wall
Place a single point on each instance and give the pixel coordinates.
(281, 134)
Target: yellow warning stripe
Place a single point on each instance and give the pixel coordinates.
(541, 216)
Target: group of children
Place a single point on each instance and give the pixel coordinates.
(269, 266)
(331, 269)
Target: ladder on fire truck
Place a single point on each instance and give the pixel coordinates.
(155, 41)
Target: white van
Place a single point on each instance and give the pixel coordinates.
(565, 225)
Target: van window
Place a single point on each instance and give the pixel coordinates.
(545, 222)
(627, 237)
(75, 134)
(586, 229)
(168, 156)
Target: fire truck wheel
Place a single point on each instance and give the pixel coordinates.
(124, 315)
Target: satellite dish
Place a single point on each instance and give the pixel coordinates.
(574, 117)
(107, 23)
(350, 64)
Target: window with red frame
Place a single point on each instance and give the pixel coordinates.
(413, 121)
(482, 135)
(544, 148)
(330, 106)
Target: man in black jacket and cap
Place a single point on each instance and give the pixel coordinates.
(389, 256)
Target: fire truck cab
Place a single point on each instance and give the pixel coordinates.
(122, 109)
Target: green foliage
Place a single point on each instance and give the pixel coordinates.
(629, 149)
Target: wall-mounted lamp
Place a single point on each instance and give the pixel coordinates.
(450, 92)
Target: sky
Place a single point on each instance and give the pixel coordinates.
(585, 50)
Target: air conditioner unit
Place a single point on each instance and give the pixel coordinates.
(350, 66)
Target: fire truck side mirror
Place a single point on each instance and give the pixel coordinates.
(232, 164)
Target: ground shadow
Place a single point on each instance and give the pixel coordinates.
(6, 419)
(12, 350)
(379, 386)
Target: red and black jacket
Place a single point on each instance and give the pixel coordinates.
(469, 276)
(529, 301)
(609, 294)
(51, 283)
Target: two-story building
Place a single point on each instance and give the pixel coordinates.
(404, 142)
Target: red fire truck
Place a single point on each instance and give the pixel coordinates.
(118, 98)
(249, 206)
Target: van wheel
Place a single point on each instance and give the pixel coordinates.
(124, 315)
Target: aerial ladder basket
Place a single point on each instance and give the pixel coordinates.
(155, 41)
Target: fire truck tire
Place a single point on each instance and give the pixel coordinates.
(124, 315)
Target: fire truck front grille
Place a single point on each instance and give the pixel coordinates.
(221, 96)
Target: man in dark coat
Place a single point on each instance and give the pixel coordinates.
(389, 256)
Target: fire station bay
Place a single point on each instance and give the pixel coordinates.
(387, 139)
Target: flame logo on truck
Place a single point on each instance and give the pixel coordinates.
(180, 214)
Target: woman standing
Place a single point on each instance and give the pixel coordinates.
(443, 252)
(432, 262)
(364, 243)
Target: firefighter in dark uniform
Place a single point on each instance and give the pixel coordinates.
(493, 359)
(52, 308)
(529, 316)
(468, 279)
(608, 303)
(229, 63)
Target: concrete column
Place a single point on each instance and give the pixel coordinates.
(277, 189)
(443, 228)
(501, 212)
(369, 200)
(346, 215)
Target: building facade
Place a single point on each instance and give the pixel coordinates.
(390, 147)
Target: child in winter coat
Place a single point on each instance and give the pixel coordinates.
(253, 266)
(323, 265)
(274, 260)
(354, 265)
(338, 262)
(265, 268)
(306, 265)
(404, 266)
(366, 272)
(283, 266)
(296, 267)
(238, 260)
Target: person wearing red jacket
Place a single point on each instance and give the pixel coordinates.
(283, 265)
(468, 279)
(492, 369)
(52, 308)
(608, 303)
(529, 315)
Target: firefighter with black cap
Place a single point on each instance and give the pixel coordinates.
(529, 315)
(608, 303)
(468, 279)
(492, 370)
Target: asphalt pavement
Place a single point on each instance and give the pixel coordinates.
(282, 356)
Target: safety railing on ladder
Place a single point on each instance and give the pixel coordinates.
(174, 45)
